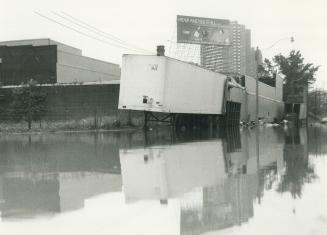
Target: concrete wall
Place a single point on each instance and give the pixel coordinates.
(264, 89)
(279, 87)
(268, 108)
(78, 68)
(73, 101)
(82, 104)
(270, 100)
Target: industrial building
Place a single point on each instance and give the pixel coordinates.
(51, 62)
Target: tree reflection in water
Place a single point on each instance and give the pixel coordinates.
(298, 170)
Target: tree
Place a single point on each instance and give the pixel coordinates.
(294, 68)
(298, 75)
(28, 103)
(266, 73)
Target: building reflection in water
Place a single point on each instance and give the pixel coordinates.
(217, 180)
(317, 143)
(45, 175)
(216, 177)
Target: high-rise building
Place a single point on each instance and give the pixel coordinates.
(238, 57)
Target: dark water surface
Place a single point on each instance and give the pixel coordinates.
(161, 182)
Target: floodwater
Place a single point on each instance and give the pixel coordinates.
(273, 181)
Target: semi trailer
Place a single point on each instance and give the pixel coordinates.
(174, 91)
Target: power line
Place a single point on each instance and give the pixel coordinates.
(84, 34)
(92, 27)
(101, 33)
(271, 46)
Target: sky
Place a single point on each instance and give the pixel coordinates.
(147, 23)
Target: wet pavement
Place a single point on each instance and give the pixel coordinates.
(273, 181)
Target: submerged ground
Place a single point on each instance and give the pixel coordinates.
(273, 181)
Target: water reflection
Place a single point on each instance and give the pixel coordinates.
(51, 174)
(213, 180)
(317, 143)
(298, 170)
(216, 180)
(161, 172)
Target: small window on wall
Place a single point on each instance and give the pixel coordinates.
(288, 108)
(296, 108)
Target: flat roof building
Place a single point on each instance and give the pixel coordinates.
(50, 62)
(235, 58)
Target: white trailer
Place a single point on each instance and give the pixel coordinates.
(159, 84)
(166, 85)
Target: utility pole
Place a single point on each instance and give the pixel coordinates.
(0, 70)
(258, 60)
(257, 100)
(29, 109)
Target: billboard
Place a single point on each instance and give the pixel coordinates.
(198, 30)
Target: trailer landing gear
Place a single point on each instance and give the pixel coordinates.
(181, 121)
(193, 121)
(169, 118)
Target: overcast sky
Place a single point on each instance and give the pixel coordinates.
(147, 23)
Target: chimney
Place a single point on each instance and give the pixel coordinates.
(161, 50)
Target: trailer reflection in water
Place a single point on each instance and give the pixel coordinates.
(158, 182)
(216, 180)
